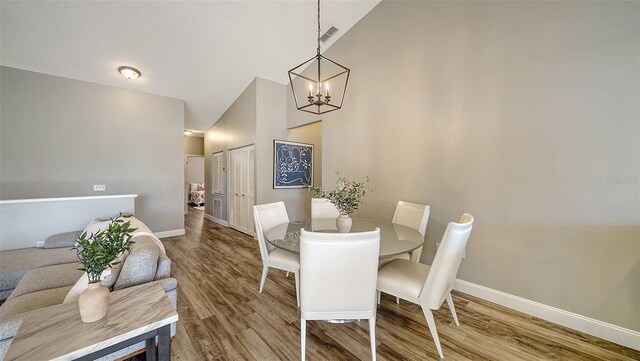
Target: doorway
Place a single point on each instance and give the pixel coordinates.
(194, 182)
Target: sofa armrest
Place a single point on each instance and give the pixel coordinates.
(167, 284)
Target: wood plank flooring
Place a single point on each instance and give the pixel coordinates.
(223, 317)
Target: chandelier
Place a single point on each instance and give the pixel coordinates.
(312, 81)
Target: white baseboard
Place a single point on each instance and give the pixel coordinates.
(172, 233)
(607, 331)
(214, 219)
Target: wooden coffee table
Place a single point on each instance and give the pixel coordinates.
(134, 315)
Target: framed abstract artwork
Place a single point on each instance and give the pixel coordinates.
(292, 164)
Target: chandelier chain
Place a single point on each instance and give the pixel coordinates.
(318, 27)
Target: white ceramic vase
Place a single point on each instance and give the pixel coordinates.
(343, 222)
(93, 302)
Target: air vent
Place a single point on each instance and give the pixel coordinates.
(332, 30)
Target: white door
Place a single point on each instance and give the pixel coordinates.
(242, 188)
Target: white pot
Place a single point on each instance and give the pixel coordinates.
(343, 222)
(93, 302)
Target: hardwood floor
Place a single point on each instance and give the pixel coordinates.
(223, 317)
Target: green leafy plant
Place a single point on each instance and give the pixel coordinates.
(346, 196)
(99, 251)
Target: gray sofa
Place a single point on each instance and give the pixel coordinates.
(16, 263)
(46, 283)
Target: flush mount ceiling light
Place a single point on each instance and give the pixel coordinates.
(313, 77)
(129, 72)
(187, 132)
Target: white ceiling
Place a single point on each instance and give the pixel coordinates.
(203, 52)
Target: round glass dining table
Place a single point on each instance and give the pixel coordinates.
(394, 238)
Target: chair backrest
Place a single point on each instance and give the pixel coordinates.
(446, 262)
(267, 216)
(323, 208)
(412, 215)
(338, 274)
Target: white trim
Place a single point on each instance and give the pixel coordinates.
(42, 200)
(607, 331)
(216, 220)
(171, 233)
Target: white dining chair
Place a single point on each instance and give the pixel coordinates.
(323, 208)
(429, 286)
(267, 216)
(338, 273)
(414, 216)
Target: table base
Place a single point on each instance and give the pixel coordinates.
(164, 346)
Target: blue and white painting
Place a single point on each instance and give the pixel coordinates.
(292, 164)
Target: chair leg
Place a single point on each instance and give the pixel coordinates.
(379, 296)
(265, 271)
(372, 337)
(297, 276)
(303, 337)
(431, 322)
(452, 308)
(416, 254)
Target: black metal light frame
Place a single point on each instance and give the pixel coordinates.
(319, 103)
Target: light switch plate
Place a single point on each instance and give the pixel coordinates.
(99, 187)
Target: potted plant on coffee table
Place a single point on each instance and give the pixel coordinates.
(97, 252)
(346, 196)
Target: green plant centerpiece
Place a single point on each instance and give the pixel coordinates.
(346, 196)
(97, 252)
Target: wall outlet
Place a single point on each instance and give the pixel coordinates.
(40, 244)
(99, 187)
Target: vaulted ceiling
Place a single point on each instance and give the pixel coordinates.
(203, 52)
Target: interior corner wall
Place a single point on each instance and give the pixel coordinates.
(236, 128)
(525, 114)
(60, 136)
(272, 125)
(193, 145)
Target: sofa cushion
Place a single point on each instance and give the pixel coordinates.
(9, 325)
(33, 301)
(4, 346)
(141, 264)
(48, 277)
(62, 240)
(14, 264)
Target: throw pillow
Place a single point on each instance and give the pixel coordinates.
(96, 226)
(62, 240)
(140, 266)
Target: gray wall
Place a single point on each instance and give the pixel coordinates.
(193, 145)
(272, 124)
(59, 137)
(235, 128)
(259, 116)
(525, 114)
